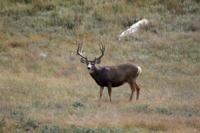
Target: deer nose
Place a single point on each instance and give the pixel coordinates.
(89, 66)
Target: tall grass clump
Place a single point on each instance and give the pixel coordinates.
(70, 21)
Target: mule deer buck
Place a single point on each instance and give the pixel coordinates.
(111, 76)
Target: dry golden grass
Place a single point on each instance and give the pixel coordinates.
(50, 100)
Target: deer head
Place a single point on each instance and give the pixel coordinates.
(90, 63)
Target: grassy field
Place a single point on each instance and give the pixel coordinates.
(45, 89)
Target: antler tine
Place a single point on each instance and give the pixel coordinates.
(102, 49)
(79, 51)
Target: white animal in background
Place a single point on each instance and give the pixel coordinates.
(43, 55)
(134, 28)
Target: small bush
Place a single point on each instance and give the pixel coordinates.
(43, 5)
(70, 21)
(174, 6)
(77, 104)
(17, 114)
(142, 108)
(31, 124)
(98, 17)
(52, 129)
(117, 8)
(163, 111)
(190, 6)
(75, 129)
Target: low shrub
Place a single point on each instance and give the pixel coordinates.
(163, 111)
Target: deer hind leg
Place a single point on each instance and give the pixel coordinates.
(138, 91)
(109, 92)
(132, 86)
(101, 92)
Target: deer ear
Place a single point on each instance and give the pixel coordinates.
(97, 61)
(83, 60)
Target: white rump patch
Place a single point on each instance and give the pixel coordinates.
(139, 70)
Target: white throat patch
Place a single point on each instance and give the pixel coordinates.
(89, 67)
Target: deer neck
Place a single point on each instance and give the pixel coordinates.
(95, 72)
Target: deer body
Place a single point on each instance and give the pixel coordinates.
(112, 76)
(115, 76)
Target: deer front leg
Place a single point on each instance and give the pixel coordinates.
(101, 92)
(109, 92)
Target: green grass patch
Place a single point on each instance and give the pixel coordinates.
(163, 111)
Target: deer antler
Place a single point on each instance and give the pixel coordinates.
(79, 51)
(102, 49)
